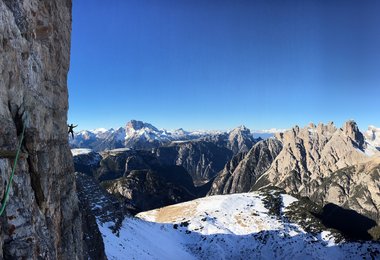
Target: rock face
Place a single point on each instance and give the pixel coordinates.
(138, 177)
(113, 164)
(240, 174)
(88, 162)
(42, 218)
(240, 140)
(94, 202)
(153, 188)
(324, 163)
(313, 153)
(103, 206)
(355, 187)
(202, 160)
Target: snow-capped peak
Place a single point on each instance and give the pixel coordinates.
(372, 136)
(99, 130)
(138, 125)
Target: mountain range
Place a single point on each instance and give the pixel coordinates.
(330, 174)
(141, 135)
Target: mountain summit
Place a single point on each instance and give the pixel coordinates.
(240, 139)
(135, 125)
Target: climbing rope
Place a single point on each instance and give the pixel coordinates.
(4, 202)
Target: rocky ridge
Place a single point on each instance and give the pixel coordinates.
(201, 159)
(240, 174)
(138, 177)
(320, 162)
(152, 188)
(313, 153)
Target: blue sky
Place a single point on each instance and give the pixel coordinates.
(218, 64)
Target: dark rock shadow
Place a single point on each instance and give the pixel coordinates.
(350, 223)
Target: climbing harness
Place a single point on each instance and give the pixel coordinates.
(4, 202)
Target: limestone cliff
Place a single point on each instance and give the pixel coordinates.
(355, 187)
(241, 173)
(313, 153)
(42, 219)
(202, 159)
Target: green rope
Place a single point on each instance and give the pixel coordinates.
(4, 203)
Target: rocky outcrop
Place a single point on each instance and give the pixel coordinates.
(350, 129)
(138, 178)
(42, 218)
(325, 163)
(87, 162)
(202, 160)
(153, 188)
(313, 153)
(104, 207)
(240, 140)
(93, 203)
(112, 165)
(355, 187)
(240, 174)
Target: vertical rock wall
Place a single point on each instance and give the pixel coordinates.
(42, 219)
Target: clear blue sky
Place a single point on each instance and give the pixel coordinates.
(202, 64)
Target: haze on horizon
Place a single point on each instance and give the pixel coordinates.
(220, 64)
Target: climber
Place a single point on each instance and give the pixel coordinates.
(71, 127)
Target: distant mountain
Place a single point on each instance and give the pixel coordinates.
(141, 135)
(372, 136)
(136, 135)
(98, 139)
(267, 133)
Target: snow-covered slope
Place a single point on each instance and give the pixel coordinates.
(372, 136)
(79, 151)
(237, 226)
